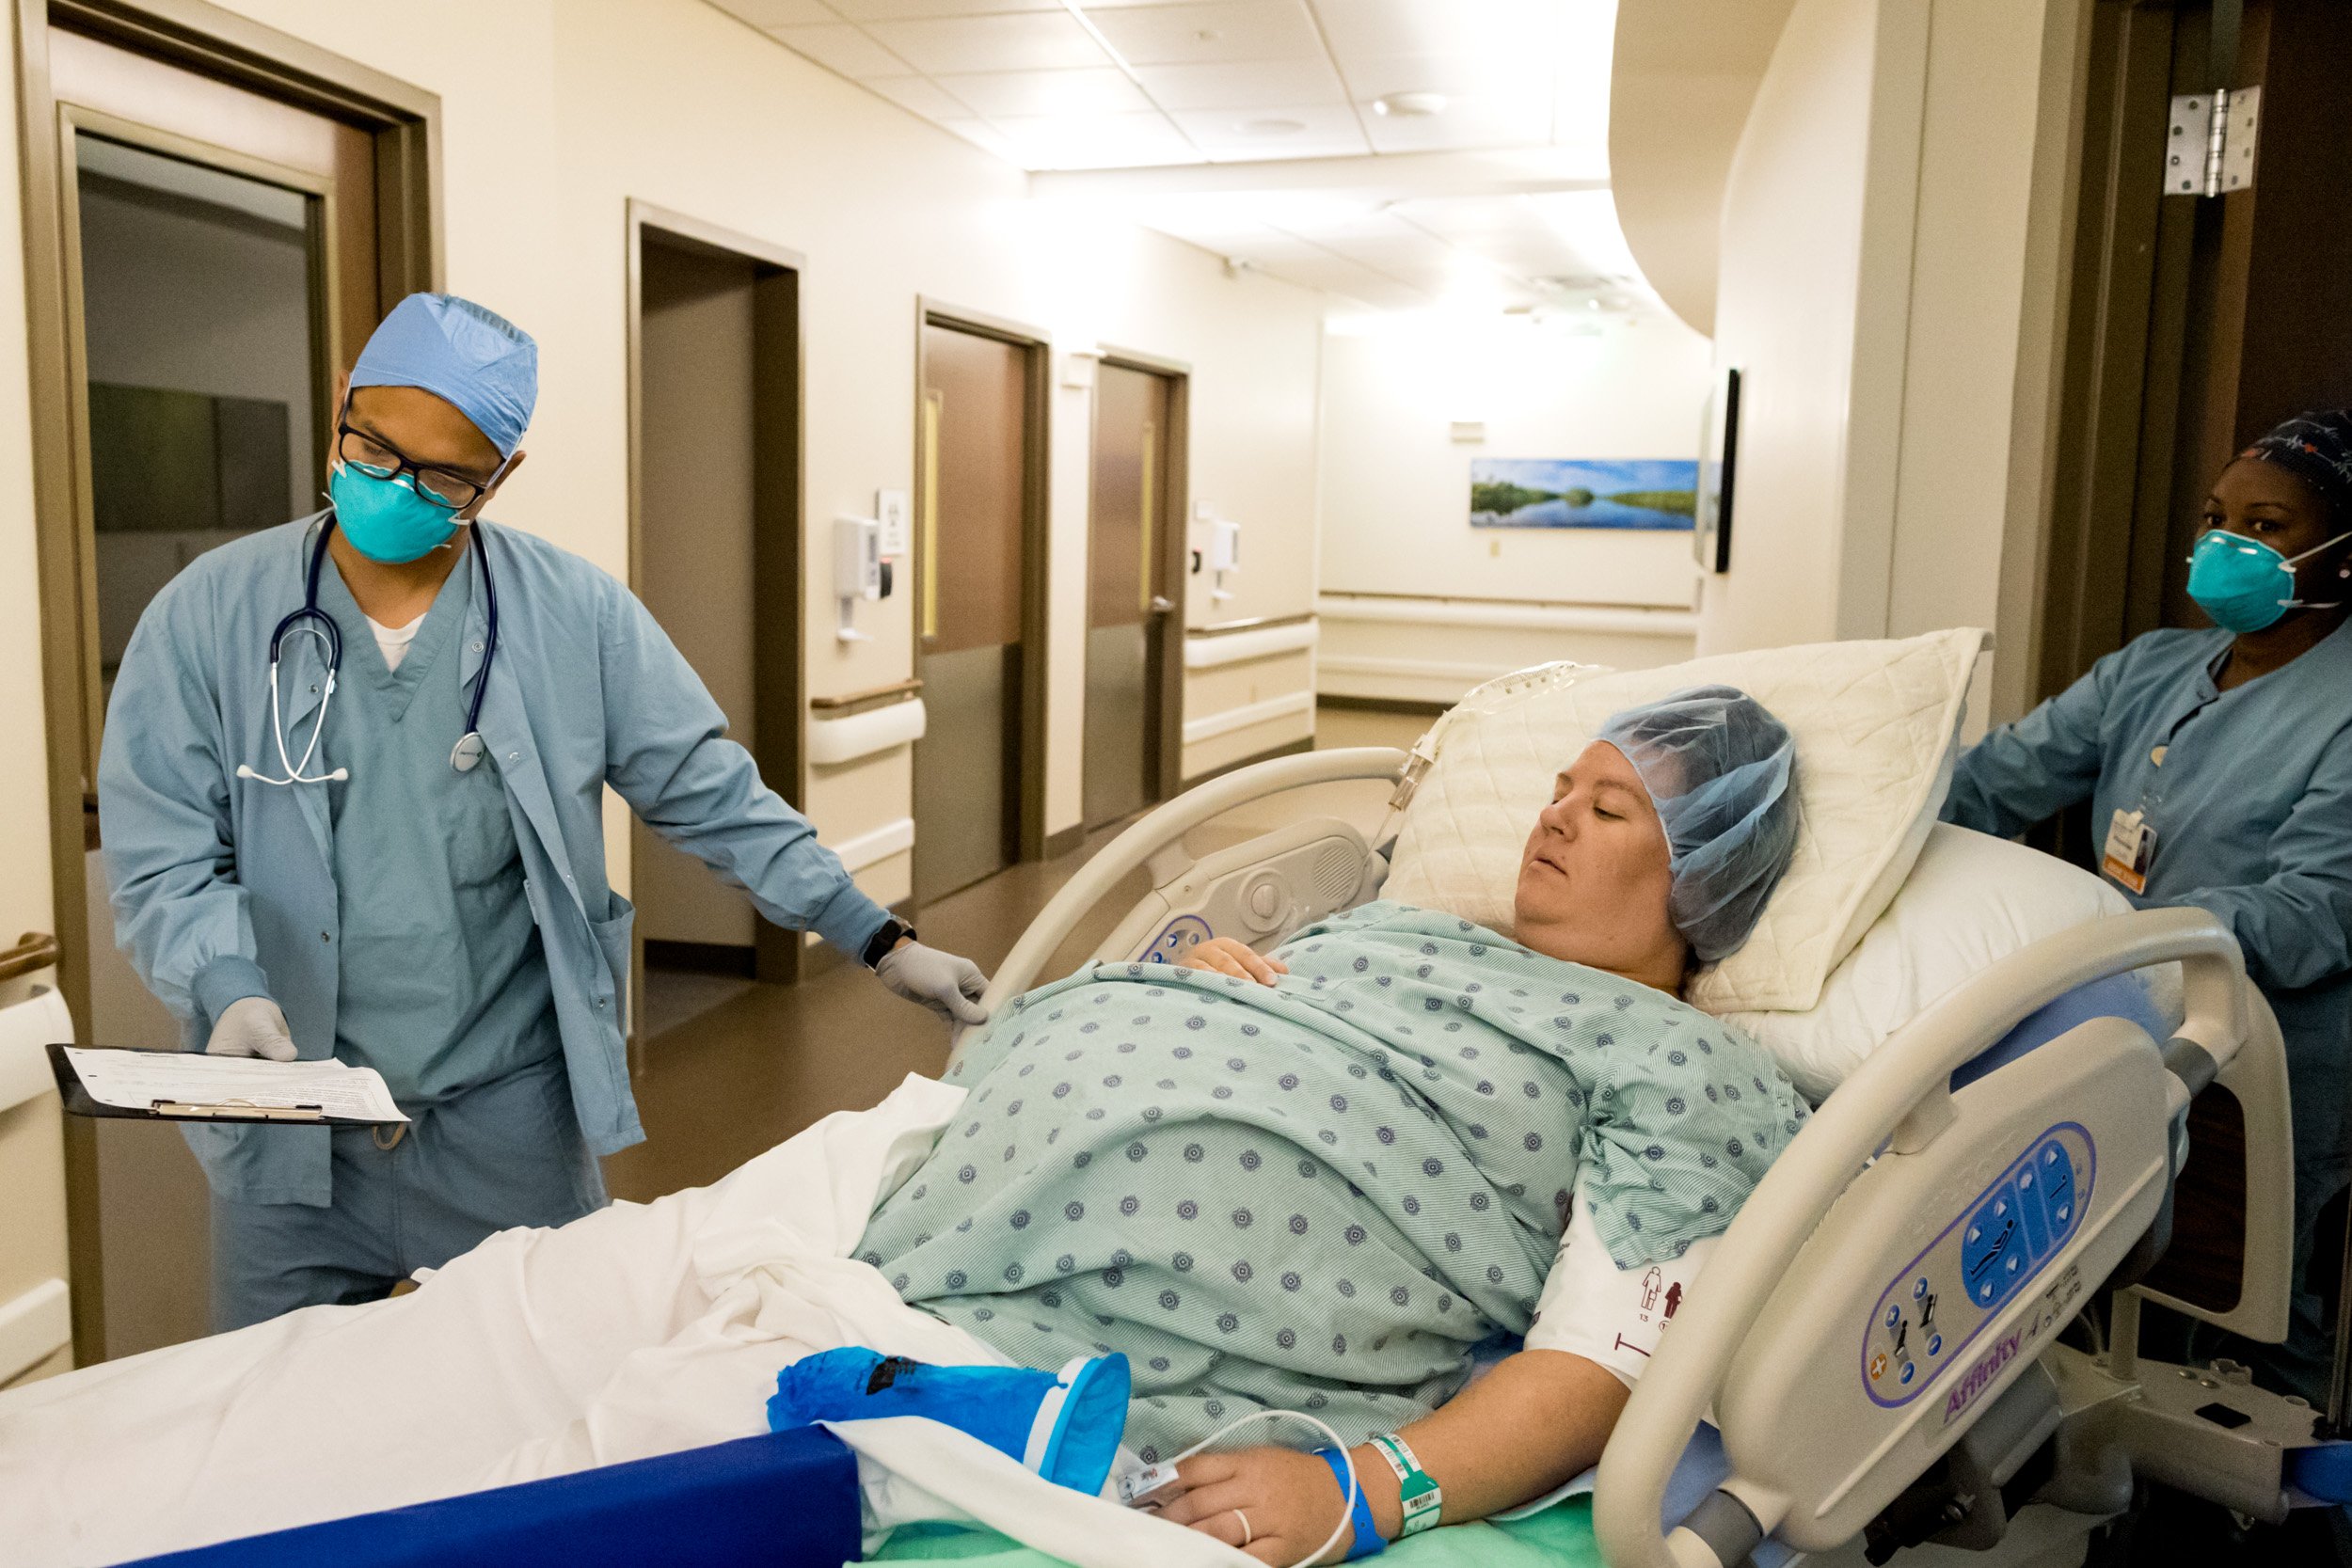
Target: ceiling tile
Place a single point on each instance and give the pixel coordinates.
(1212, 31)
(842, 48)
(1325, 131)
(1243, 84)
(1102, 90)
(1492, 122)
(1096, 141)
(1034, 40)
(981, 135)
(902, 10)
(921, 95)
(1496, 30)
(778, 13)
(1528, 77)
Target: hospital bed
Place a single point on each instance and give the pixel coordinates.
(1879, 1340)
(1889, 1353)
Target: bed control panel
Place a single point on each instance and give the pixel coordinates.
(1259, 892)
(1929, 1316)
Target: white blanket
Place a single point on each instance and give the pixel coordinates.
(639, 1330)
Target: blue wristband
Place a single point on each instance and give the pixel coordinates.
(1369, 1540)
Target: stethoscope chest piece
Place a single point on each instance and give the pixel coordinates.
(468, 752)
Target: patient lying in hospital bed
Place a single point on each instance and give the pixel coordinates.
(1319, 1183)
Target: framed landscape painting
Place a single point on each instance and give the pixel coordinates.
(1653, 493)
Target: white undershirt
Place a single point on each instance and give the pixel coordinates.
(394, 641)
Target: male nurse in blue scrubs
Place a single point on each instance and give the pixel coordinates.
(396, 858)
(2219, 767)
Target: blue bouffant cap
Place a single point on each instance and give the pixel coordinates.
(475, 359)
(1721, 771)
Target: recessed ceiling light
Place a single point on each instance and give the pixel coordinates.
(1409, 106)
(1272, 127)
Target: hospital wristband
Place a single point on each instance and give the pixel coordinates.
(1368, 1541)
(1418, 1491)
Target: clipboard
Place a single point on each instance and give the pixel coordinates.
(79, 1102)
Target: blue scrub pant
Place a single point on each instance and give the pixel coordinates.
(502, 1154)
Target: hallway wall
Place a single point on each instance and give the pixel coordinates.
(553, 116)
(1893, 238)
(1418, 604)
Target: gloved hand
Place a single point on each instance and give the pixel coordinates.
(947, 985)
(251, 1026)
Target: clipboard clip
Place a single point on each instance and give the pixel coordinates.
(244, 1110)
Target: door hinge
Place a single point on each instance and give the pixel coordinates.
(2209, 145)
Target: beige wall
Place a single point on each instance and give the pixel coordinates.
(1396, 484)
(554, 115)
(1397, 498)
(1893, 231)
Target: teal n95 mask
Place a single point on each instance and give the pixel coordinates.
(2245, 584)
(384, 517)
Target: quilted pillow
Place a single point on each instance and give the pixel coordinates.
(1969, 901)
(1875, 726)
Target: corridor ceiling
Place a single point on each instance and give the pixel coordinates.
(1402, 153)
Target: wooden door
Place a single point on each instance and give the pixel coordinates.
(221, 266)
(973, 508)
(2194, 322)
(1127, 599)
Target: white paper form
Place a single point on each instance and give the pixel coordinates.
(139, 1080)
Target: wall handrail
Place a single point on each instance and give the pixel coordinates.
(1518, 614)
(873, 696)
(1250, 622)
(33, 951)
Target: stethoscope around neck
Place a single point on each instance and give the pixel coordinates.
(311, 622)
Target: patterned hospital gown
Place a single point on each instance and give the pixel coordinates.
(1319, 1194)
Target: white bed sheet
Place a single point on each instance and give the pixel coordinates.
(639, 1330)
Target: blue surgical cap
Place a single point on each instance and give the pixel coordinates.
(1721, 771)
(475, 359)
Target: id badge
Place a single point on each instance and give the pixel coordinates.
(2131, 851)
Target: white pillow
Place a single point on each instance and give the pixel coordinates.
(1875, 726)
(1970, 899)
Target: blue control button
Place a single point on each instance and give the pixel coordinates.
(1994, 1251)
(2057, 1188)
(1919, 1288)
(1936, 1344)
(1904, 1376)
(1894, 1316)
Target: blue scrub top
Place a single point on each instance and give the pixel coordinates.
(443, 981)
(2251, 804)
(225, 887)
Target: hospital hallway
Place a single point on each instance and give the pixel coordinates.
(1721, 628)
(734, 1068)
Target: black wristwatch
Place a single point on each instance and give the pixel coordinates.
(885, 939)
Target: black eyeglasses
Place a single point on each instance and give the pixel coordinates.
(442, 486)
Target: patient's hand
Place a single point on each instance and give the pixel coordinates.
(1282, 1503)
(1227, 957)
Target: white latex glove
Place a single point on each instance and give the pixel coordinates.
(251, 1026)
(947, 985)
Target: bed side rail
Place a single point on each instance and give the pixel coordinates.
(1158, 841)
(1901, 1098)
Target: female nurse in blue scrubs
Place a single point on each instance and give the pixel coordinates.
(352, 799)
(2219, 767)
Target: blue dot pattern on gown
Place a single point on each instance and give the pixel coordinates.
(1319, 1194)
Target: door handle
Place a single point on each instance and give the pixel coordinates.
(1161, 603)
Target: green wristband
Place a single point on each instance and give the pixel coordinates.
(1418, 1491)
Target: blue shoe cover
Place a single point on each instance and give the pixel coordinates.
(1064, 1425)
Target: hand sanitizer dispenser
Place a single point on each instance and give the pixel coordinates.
(859, 571)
